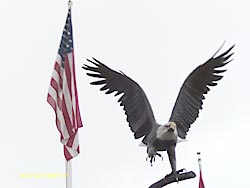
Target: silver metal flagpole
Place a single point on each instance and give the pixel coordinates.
(68, 165)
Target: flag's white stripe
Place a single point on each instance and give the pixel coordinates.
(73, 103)
(76, 141)
(72, 151)
(64, 141)
(71, 61)
(56, 76)
(70, 58)
(67, 97)
(58, 58)
(64, 130)
(53, 93)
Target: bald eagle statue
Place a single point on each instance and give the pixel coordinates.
(139, 112)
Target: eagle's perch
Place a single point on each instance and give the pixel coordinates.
(140, 114)
(170, 178)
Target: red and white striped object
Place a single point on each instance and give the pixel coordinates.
(201, 183)
(62, 94)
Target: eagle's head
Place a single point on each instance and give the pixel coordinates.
(171, 126)
(167, 131)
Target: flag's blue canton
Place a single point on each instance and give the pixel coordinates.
(66, 45)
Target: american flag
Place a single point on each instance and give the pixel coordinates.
(62, 94)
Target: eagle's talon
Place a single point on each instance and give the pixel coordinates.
(153, 157)
(175, 174)
(159, 156)
(182, 170)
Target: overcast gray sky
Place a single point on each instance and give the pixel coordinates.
(157, 43)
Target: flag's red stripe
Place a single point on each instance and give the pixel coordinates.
(57, 67)
(67, 154)
(51, 101)
(66, 117)
(68, 74)
(78, 115)
(71, 140)
(55, 86)
(73, 119)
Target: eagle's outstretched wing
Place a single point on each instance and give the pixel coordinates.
(136, 105)
(189, 100)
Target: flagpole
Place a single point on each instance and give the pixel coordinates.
(68, 168)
